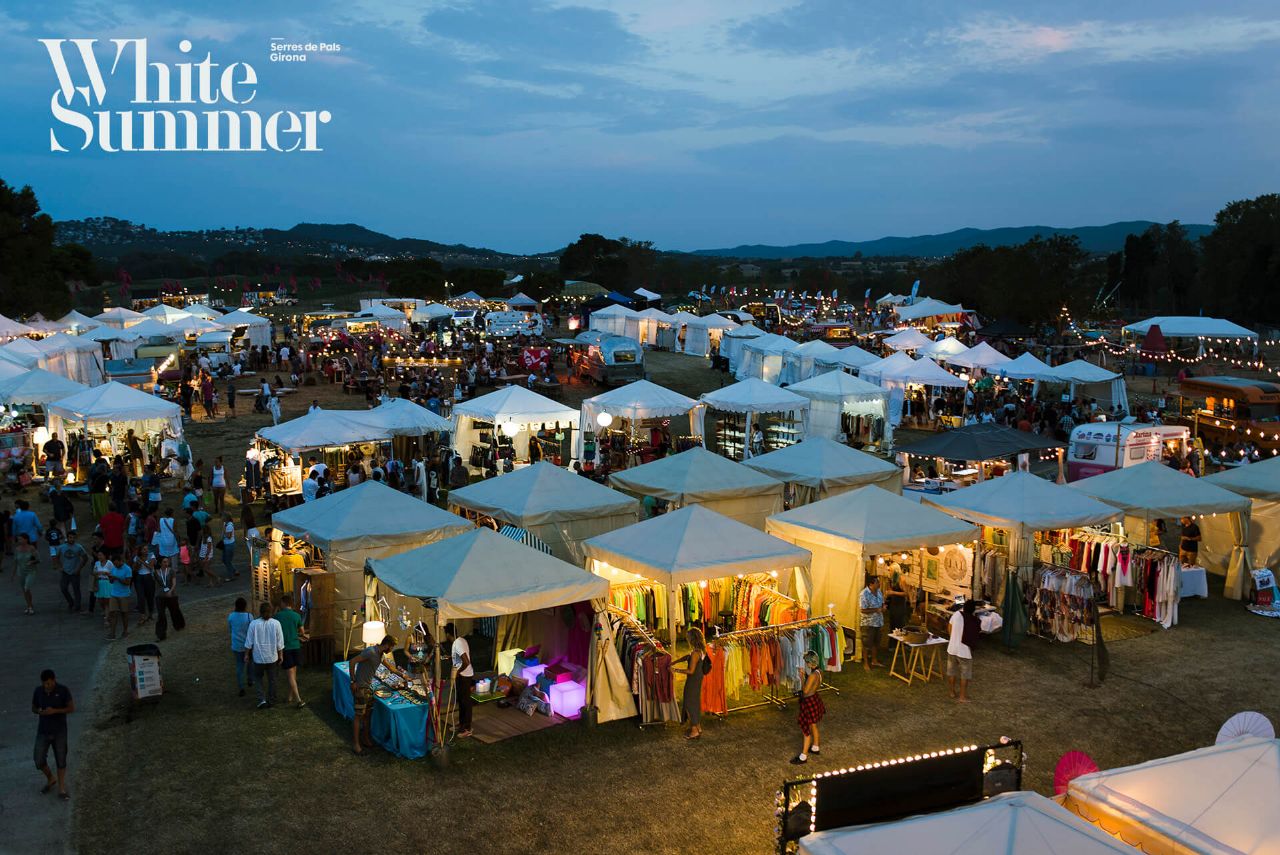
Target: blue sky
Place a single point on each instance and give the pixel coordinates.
(519, 125)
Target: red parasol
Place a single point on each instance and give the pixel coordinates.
(1070, 766)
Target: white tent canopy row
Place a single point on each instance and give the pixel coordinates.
(558, 507)
(120, 317)
(833, 395)
(701, 477)
(929, 308)
(9, 328)
(801, 362)
(76, 321)
(513, 410)
(851, 359)
(37, 387)
(118, 405)
(331, 428)
(817, 467)
(1192, 326)
(709, 330)
(753, 398)
(635, 402)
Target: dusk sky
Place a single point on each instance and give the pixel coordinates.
(519, 125)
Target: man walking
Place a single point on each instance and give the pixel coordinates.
(871, 613)
(291, 626)
(264, 649)
(463, 678)
(72, 558)
(25, 521)
(362, 667)
(238, 624)
(52, 703)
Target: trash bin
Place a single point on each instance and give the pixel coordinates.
(144, 671)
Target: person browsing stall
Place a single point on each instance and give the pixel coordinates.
(1189, 543)
(463, 677)
(964, 632)
(871, 614)
(363, 667)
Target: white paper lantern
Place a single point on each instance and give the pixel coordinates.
(604, 420)
(510, 428)
(373, 632)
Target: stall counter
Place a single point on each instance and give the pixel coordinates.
(398, 725)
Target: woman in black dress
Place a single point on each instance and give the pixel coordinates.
(692, 698)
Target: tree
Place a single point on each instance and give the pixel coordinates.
(1240, 274)
(34, 271)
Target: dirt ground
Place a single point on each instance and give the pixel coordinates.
(202, 765)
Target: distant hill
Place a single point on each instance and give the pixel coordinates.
(1108, 238)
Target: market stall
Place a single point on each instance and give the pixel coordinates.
(1260, 483)
(469, 578)
(816, 468)
(800, 363)
(9, 329)
(930, 313)
(118, 343)
(37, 387)
(1084, 379)
(652, 324)
(1152, 491)
(613, 319)
(102, 417)
(556, 506)
(166, 314)
(1017, 823)
(429, 313)
(680, 322)
(76, 322)
(335, 535)
(733, 340)
(695, 567)
(1024, 367)
(957, 458)
(870, 531)
(851, 359)
(943, 350)
(512, 425)
(846, 409)
(24, 352)
(73, 357)
(1218, 800)
(909, 339)
(699, 477)
(908, 382)
(631, 425)
(385, 317)
(980, 358)
(257, 329)
(119, 317)
(761, 358)
(705, 336)
(751, 417)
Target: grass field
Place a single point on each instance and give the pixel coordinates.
(201, 767)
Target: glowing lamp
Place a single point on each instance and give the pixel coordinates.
(531, 673)
(568, 698)
(510, 429)
(604, 420)
(373, 632)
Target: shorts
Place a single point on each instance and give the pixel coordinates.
(870, 637)
(56, 741)
(292, 659)
(958, 666)
(118, 604)
(361, 698)
(27, 578)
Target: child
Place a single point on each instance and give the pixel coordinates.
(24, 568)
(206, 553)
(53, 536)
(228, 546)
(184, 556)
(811, 707)
(101, 593)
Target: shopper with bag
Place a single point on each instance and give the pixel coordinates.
(167, 608)
(699, 666)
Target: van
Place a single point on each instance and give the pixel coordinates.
(1225, 410)
(605, 358)
(505, 324)
(1099, 447)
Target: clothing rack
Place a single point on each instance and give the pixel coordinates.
(629, 621)
(772, 696)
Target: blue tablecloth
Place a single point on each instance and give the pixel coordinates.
(397, 725)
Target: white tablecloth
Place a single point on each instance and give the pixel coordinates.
(1194, 582)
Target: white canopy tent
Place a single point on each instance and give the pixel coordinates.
(514, 410)
(733, 340)
(324, 429)
(761, 358)
(1017, 823)
(754, 398)
(120, 317)
(981, 356)
(1192, 326)
(9, 328)
(166, 314)
(522, 302)
(369, 520)
(1024, 367)
(1093, 381)
(11, 369)
(680, 325)
(257, 328)
(77, 322)
(835, 395)
(200, 310)
(37, 387)
(430, 312)
(1022, 504)
(24, 352)
(699, 477)
(150, 328)
(929, 307)
(909, 339)
(1151, 491)
(945, 350)
(800, 363)
(846, 531)
(74, 357)
(387, 317)
(851, 359)
(122, 343)
(401, 417)
(694, 544)
(612, 319)
(650, 323)
(1260, 483)
(893, 300)
(635, 402)
(708, 332)
(920, 372)
(818, 467)
(118, 406)
(872, 371)
(557, 506)
(1219, 800)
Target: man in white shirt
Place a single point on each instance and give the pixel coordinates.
(311, 486)
(264, 651)
(959, 654)
(316, 466)
(463, 678)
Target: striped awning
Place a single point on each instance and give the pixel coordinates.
(521, 535)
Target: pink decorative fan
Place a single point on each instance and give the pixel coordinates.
(1245, 724)
(1070, 766)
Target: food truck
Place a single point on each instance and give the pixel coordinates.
(1098, 447)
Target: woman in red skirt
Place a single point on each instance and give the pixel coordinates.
(811, 707)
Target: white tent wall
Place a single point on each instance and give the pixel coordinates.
(1219, 539)
(732, 343)
(837, 575)
(824, 416)
(1113, 392)
(83, 365)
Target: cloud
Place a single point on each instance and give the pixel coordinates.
(549, 90)
(998, 41)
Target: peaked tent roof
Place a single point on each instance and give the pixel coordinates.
(402, 417)
(22, 351)
(1154, 490)
(744, 331)
(243, 317)
(876, 519)
(434, 310)
(815, 347)
(515, 402)
(1024, 367)
(641, 400)
(9, 328)
(166, 314)
(616, 310)
(720, 322)
(822, 463)
(836, 385)
(483, 574)
(945, 349)
(851, 356)
(770, 343)
(62, 341)
(471, 295)
(1190, 326)
(756, 396)
(1220, 799)
(542, 493)
(908, 339)
(521, 299)
(119, 315)
(153, 328)
(928, 308)
(890, 363)
(923, 371)
(76, 320)
(368, 515)
(1080, 371)
(38, 386)
(11, 369)
(693, 544)
(200, 310)
(683, 317)
(1023, 500)
(981, 355)
(321, 428)
(1017, 823)
(102, 332)
(979, 442)
(656, 314)
(113, 402)
(1256, 480)
(696, 475)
